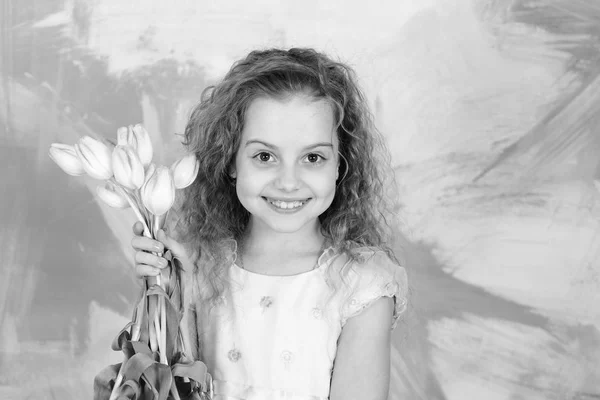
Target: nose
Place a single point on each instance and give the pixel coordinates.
(288, 179)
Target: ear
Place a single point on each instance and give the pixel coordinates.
(231, 171)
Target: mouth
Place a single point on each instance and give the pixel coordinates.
(286, 205)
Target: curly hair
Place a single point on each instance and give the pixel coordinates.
(212, 217)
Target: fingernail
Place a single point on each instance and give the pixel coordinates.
(162, 262)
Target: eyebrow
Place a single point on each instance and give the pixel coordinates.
(271, 146)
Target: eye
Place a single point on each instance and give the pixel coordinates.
(314, 158)
(263, 157)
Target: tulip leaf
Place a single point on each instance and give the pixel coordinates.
(122, 337)
(136, 347)
(130, 389)
(104, 382)
(152, 305)
(159, 379)
(144, 334)
(144, 377)
(173, 319)
(135, 366)
(196, 371)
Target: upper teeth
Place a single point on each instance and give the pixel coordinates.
(285, 204)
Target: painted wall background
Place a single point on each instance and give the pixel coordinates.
(491, 109)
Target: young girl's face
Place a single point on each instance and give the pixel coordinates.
(286, 165)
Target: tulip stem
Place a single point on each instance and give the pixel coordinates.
(118, 381)
(136, 329)
(157, 330)
(162, 324)
(152, 336)
(141, 208)
(134, 207)
(163, 331)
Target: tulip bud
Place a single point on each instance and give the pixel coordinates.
(108, 193)
(64, 155)
(95, 157)
(158, 193)
(127, 167)
(185, 171)
(138, 138)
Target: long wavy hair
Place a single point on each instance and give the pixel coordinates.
(211, 217)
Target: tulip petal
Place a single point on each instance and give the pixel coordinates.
(95, 157)
(150, 169)
(158, 193)
(66, 158)
(185, 171)
(109, 195)
(143, 144)
(127, 168)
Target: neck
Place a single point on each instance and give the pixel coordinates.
(257, 240)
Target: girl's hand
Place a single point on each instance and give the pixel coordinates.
(148, 264)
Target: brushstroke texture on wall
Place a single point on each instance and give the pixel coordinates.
(491, 109)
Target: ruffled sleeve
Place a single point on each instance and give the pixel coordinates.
(373, 276)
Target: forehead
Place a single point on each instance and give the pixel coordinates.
(296, 119)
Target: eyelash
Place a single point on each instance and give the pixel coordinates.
(256, 157)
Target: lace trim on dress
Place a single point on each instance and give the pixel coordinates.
(327, 253)
(381, 277)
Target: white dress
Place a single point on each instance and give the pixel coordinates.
(275, 337)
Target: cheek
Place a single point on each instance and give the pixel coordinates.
(246, 186)
(325, 182)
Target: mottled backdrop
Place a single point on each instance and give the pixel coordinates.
(492, 112)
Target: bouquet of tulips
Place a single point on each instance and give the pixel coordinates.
(155, 365)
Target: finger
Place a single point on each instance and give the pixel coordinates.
(176, 248)
(141, 257)
(147, 244)
(143, 270)
(138, 228)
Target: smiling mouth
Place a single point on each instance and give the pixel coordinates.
(287, 205)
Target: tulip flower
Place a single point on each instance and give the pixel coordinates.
(108, 193)
(64, 155)
(185, 171)
(149, 171)
(95, 157)
(138, 138)
(158, 193)
(127, 167)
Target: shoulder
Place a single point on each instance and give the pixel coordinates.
(369, 274)
(371, 266)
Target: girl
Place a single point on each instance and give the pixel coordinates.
(285, 234)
